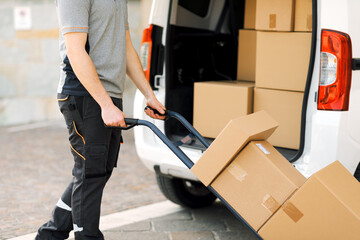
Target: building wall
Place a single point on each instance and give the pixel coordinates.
(29, 61)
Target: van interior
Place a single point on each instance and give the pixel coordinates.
(201, 45)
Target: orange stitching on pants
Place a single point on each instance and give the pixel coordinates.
(77, 152)
(78, 132)
(63, 99)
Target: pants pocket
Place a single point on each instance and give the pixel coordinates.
(62, 101)
(95, 163)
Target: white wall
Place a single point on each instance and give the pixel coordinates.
(29, 62)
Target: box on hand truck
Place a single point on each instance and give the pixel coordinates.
(244, 171)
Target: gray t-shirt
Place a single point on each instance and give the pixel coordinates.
(105, 22)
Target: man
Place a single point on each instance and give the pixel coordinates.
(97, 53)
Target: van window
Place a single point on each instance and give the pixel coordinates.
(198, 7)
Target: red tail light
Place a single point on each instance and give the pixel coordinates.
(145, 51)
(336, 70)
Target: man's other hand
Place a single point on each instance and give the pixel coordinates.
(155, 104)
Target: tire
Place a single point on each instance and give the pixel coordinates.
(184, 192)
(357, 173)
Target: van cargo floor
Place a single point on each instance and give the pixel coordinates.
(196, 144)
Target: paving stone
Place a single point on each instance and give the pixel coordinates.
(183, 226)
(246, 235)
(136, 236)
(182, 215)
(192, 236)
(216, 209)
(135, 227)
(234, 224)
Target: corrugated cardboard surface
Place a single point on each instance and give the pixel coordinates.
(303, 16)
(282, 60)
(247, 55)
(327, 206)
(250, 14)
(216, 103)
(237, 133)
(257, 182)
(285, 107)
(275, 15)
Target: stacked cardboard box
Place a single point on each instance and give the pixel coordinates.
(250, 14)
(217, 102)
(285, 106)
(276, 58)
(278, 15)
(275, 15)
(247, 55)
(273, 57)
(263, 189)
(280, 82)
(303, 16)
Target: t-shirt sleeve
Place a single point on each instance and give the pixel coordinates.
(126, 17)
(73, 15)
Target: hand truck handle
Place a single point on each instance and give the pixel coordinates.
(170, 114)
(131, 122)
(175, 149)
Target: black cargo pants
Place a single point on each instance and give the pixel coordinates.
(95, 150)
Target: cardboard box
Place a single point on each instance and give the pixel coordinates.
(275, 15)
(237, 133)
(250, 14)
(303, 16)
(282, 60)
(285, 107)
(247, 55)
(216, 103)
(257, 182)
(327, 206)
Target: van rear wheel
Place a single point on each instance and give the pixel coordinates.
(185, 192)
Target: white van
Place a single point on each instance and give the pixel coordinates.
(190, 41)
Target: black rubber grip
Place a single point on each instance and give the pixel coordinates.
(131, 121)
(156, 111)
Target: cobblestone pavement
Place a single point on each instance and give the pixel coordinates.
(211, 223)
(36, 167)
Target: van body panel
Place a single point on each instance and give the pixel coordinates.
(157, 14)
(333, 135)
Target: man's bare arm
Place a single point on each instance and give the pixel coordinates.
(136, 73)
(86, 72)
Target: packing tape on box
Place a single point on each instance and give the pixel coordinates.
(309, 22)
(272, 21)
(270, 203)
(238, 172)
(293, 212)
(262, 148)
